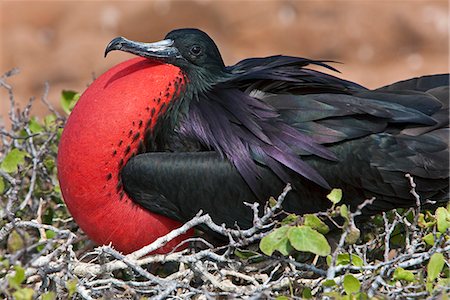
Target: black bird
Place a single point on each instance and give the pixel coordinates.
(235, 134)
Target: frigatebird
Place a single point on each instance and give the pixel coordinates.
(179, 131)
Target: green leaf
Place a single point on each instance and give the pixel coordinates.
(289, 219)
(304, 238)
(34, 126)
(306, 293)
(23, 294)
(57, 189)
(14, 242)
(272, 202)
(245, 254)
(314, 222)
(5, 263)
(2, 185)
(71, 286)
(444, 282)
(425, 223)
(282, 297)
(68, 100)
(276, 240)
(402, 274)
(435, 266)
(49, 120)
(351, 284)
(442, 219)
(429, 238)
(353, 235)
(344, 212)
(48, 296)
(50, 234)
(49, 163)
(12, 160)
(335, 196)
(344, 259)
(329, 283)
(333, 295)
(16, 280)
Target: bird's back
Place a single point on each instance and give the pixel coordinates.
(378, 137)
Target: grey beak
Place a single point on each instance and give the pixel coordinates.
(162, 49)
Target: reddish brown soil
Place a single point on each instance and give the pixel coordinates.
(378, 41)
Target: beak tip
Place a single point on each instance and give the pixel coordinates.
(115, 44)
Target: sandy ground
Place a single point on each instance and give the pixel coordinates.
(378, 42)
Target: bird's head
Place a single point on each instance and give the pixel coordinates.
(192, 50)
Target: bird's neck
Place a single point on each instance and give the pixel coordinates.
(166, 135)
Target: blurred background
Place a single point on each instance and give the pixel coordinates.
(378, 42)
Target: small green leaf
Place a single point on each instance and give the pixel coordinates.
(71, 286)
(314, 222)
(304, 238)
(16, 280)
(425, 223)
(402, 274)
(344, 211)
(12, 160)
(328, 259)
(48, 296)
(429, 238)
(68, 100)
(23, 294)
(50, 234)
(289, 219)
(57, 189)
(34, 126)
(351, 284)
(306, 293)
(344, 259)
(333, 295)
(444, 282)
(272, 202)
(2, 185)
(245, 254)
(282, 297)
(329, 283)
(442, 219)
(353, 235)
(5, 263)
(14, 242)
(49, 120)
(276, 240)
(49, 163)
(435, 266)
(335, 196)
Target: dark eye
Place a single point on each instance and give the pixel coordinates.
(196, 50)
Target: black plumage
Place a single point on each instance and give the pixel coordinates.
(237, 134)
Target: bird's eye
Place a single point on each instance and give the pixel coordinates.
(196, 50)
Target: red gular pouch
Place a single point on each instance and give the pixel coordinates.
(103, 132)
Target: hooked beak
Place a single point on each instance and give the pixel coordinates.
(163, 49)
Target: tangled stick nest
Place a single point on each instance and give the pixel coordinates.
(43, 254)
